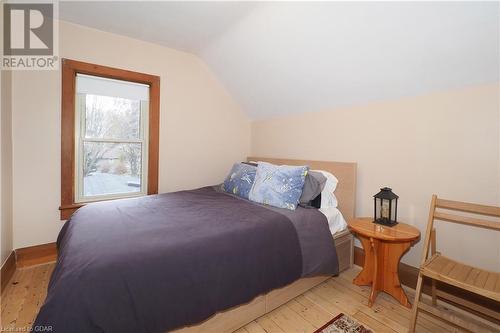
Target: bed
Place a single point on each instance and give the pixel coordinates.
(161, 262)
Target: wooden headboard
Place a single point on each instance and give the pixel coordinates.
(345, 173)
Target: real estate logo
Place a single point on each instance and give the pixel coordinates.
(30, 36)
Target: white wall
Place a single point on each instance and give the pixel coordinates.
(6, 239)
(445, 143)
(202, 129)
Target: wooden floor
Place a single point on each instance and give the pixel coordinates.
(27, 290)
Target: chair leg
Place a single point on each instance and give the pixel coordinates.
(414, 311)
(433, 292)
(433, 252)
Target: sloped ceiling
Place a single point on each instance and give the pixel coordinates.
(280, 58)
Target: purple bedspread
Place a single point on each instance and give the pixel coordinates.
(157, 263)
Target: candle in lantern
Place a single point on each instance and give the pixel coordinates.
(385, 209)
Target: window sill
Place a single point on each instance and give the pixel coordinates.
(68, 210)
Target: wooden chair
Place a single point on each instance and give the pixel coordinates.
(441, 268)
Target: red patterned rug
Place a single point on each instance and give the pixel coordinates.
(343, 324)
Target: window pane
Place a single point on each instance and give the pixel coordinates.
(111, 168)
(112, 117)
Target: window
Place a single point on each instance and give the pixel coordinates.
(111, 127)
(109, 134)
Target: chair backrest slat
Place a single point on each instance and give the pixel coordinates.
(468, 207)
(467, 220)
(428, 232)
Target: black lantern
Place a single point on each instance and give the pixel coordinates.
(386, 207)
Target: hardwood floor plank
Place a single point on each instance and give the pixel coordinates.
(19, 286)
(30, 306)
(254, 327)
(289, 321)
(311, 313)
(371, 323)
(334, 297)
(322, 303)
(269, 325)
(7, 292)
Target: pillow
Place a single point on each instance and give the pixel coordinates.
(316, 202)
(313, 185)
(278, 186)
(240, 180)
(328, 198)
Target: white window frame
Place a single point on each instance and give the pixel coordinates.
(80, 105)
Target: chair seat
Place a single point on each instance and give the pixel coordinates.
(479, 281)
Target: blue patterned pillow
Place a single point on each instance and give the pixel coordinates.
(240, 180)
(278, 186)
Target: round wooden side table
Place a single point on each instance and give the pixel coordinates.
(384, 246)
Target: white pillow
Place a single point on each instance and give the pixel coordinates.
(328, 198)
